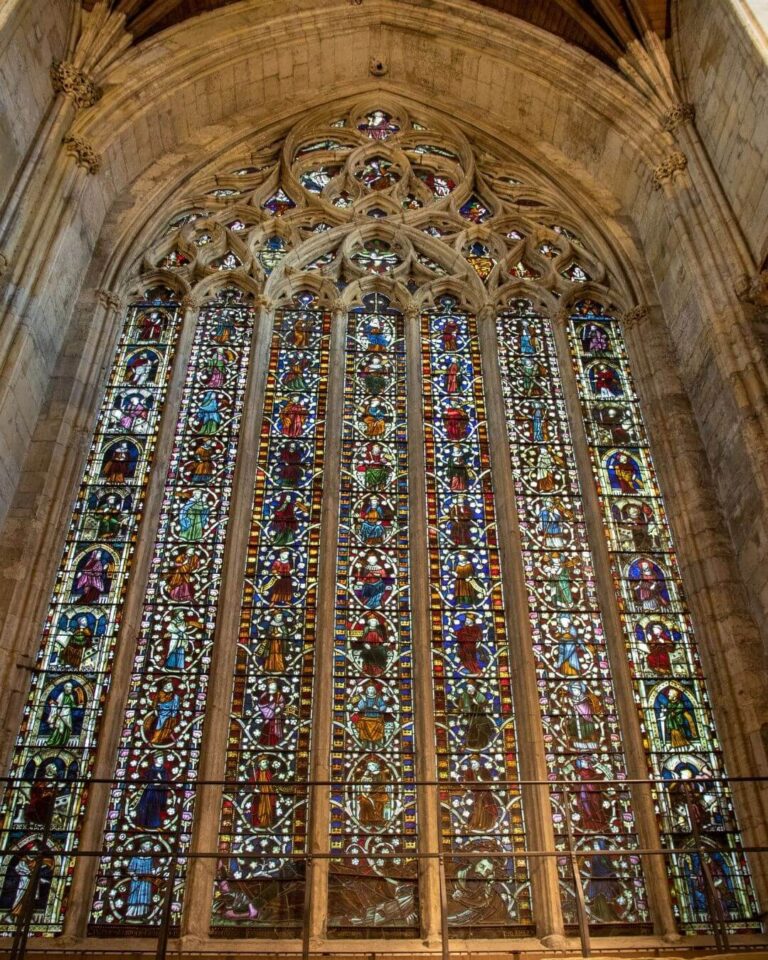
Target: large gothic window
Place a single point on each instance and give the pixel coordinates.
(369, 613)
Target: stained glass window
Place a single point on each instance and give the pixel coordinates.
(577, 699)
(151, 809)
(373, 803)
(264, 813)
(482, 817)
(59, 733)
(682, 746)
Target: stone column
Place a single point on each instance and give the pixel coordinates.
(532, 764)
(428, 795)
(319, 797)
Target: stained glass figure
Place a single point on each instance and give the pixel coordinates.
(576, 691)
(439, 185)
(259, 885)
(576, 273)
(475, 210)
(230, 261)
(203, 239)
(174, 260)
(378, 125)
(343, 200)
(56, 744)
(568, 234)
(548, 251)
(482, 816)
(238, 226)
(279, 203)
(514, 235)
(376, 256)
(481, 259)
(317, 179)
(669, 686)
(270, 253)
(523, 271)
(378, 173)
(151, 811)
(373, 800)
(412, 202)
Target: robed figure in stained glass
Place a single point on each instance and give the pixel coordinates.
(152, 808)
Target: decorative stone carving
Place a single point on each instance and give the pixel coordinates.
(262, 303)
(754, 290)
(562, 316)
(675, 163)
(109, 300)
(188, 302)
(83, 153)
(678, 115)
(74, 84)
(377, 67)
(634, 316)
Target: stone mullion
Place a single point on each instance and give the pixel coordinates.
(198, 897)
(537, 808)
(657, 884)
(726, 636)
(319, 796)
(428, 795)
(110, 732)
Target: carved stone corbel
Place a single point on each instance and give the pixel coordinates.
(262, 303)
(412, 315)
(634, 316)
(675, 163)
(754, 290)
(75, 84)
(188, 302)
(83, 153)
(562, 316)
(108, 300)
(678, 115)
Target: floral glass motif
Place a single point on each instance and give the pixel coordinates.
(151, 810)
(474, 210)
(481, 815)
(378, 173)
(373, 801)
(270, 253)
(479, 256)
(682, 746)
(376, 256)
(577, 698)
(260, 883)
(56, 744)
(279, 203)
(378, 125)
(317, 179)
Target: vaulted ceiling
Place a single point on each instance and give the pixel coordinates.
(602, 27)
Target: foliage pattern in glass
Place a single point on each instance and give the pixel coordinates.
(482, 818)
(373, 800)
(151, 809)
(577, 699)
(681, 742)
(58, 737)
(264, 813)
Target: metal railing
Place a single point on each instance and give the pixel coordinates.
(570, 850)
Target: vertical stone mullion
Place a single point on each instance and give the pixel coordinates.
(319, 795)
(430, 894)
(197, 901)
(76, 919)
(657, 883)
(539, 831)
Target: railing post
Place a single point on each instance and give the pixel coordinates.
(21, 935)
(578, 890)
(165, 919)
